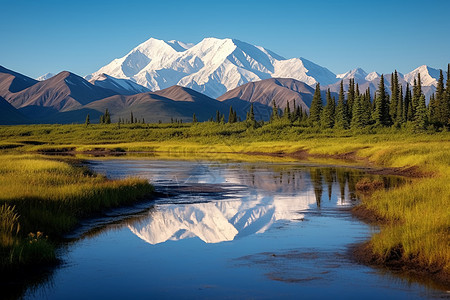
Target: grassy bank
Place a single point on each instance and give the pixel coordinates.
(42, 198)
(416, 216)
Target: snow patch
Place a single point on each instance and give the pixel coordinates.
(45, 76)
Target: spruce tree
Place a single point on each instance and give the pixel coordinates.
(316, 107)
(446, 117)
(417, 92)
(274, 114)
(131, 117)
(357, 115)
(252, 113)
(230, 115)
(366, 106)
(327, 118)
(394, 96)
(217, 116)
(194, 118)
(409, 116)
(304, 114)
(294, 111)
(440, 103)
(287, 114)
(350, 98)
(107, 118)
(340, 119)
(298, 114)
(432, 111)
(88, 120)
(400, 115)
(381, 112)
(420, 117)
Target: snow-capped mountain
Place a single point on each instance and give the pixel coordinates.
(372, 76)
(213, 66)
(45, 76)
(428, 76)
(358, 74)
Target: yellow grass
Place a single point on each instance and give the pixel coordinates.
(418, 212)
(39, 194)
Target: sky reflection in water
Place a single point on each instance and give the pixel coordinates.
(229, 230)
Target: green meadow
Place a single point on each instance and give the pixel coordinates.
(42, 198)
(49, 195)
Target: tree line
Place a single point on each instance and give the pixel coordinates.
(356, 110)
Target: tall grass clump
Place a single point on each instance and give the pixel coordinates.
(418, 217)
(9, 224)
(42, 198)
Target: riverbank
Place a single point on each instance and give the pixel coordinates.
(416, 216)
(43, 198)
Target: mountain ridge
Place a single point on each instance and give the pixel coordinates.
(215, 66)
(212, 66)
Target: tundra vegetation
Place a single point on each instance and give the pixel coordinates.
(399, 132)
(42, 198)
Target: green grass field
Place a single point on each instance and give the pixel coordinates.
(42, 198)
(417, 214)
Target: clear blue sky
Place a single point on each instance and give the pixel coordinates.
(39, 36)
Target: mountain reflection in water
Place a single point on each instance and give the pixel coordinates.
(227, 229)
(239, 201)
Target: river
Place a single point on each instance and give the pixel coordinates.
(227, 229)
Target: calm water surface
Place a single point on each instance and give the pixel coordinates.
(228, 230)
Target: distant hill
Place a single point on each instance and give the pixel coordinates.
(9, 115)
(68, 98)
(175, 102)
(265, 92)
(12, 82)
(64, 91)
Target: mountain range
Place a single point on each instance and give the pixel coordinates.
(216, 66)
(212, 67)
(160, 80)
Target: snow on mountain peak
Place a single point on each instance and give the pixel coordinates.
(358, 74)
(45, 76)
(372, 76)
(100, 76)
(212, 66)
(428, 75)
